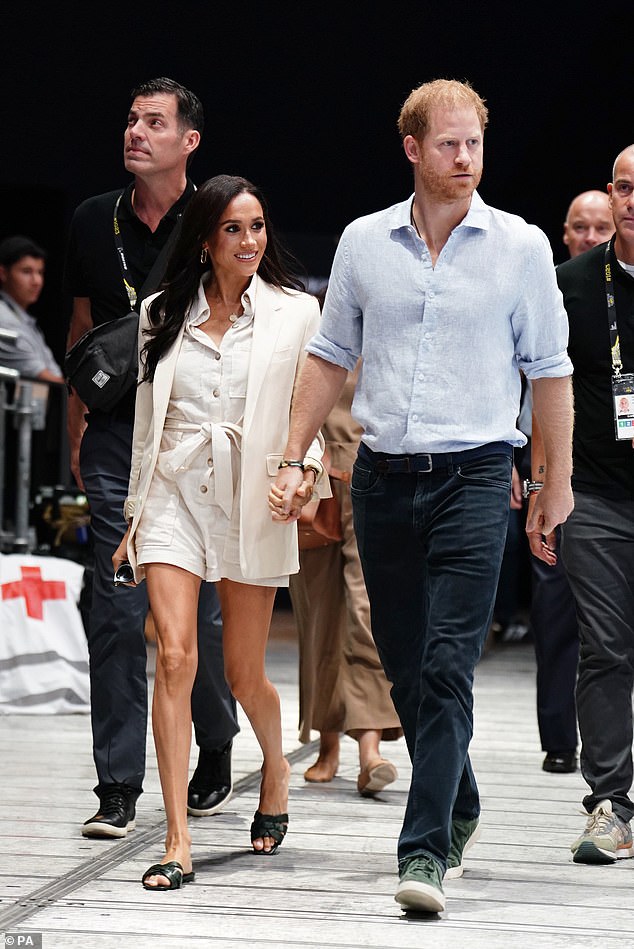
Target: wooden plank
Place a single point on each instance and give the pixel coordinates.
(333, 880)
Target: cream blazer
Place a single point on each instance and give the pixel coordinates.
(282, 325)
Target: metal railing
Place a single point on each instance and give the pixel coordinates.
(29, 415)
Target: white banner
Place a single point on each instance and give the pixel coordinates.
(43, 651)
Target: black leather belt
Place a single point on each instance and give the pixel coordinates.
(425, 462)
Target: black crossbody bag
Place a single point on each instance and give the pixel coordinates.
(103, 364)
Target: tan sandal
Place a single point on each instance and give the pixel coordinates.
(376, 776)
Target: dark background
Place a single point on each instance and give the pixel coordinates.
(303, 99)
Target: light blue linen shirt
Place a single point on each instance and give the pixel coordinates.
(442, 346)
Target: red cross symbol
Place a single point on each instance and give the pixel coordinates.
(34, 590)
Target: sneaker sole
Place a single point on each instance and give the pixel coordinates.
(98, 829)
(588, 852)
(421, 897)
(454, 873)
(208, 811)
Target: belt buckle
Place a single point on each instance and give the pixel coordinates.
(430, 465)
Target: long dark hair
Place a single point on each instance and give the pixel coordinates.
(184, 269)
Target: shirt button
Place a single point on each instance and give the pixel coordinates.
(430, 294)
(216, 393)
(216, 355)
(203, 489)
(210, 462)
(414, 418)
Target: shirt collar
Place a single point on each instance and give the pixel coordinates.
(477, 216)
(15, 307)
(618, 271)
(126, 210)
(199, 311)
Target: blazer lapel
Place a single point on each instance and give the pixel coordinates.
(162, 387)
(267, 324)
(164, 374)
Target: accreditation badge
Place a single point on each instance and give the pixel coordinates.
(623, 402)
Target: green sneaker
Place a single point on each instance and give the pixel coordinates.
(464, 834)
(606, 838)
(420, 885)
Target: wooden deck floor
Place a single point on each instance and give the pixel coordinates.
(332, 882)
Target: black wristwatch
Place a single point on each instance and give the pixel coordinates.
(531, 487)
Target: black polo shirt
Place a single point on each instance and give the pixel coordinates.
(92, 264)
(601, 465)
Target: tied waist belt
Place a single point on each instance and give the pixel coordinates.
(220, 436)
(425, 462)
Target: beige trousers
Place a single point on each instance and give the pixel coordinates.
(342, 686)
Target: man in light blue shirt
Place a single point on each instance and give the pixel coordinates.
(446, 299)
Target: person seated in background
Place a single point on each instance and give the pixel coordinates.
(22, 264)
(22, 278)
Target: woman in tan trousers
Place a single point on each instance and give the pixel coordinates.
(342, 686)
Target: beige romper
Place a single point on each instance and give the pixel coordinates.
(191, 517)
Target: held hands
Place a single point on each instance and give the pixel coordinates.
(546, 510)
(291, 490)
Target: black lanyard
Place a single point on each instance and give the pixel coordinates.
(615, 346)
(129, 288)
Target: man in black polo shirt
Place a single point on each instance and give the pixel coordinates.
(163, 131)
(553, 614)
(598, 538)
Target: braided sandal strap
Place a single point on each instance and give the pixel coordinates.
(269, 825)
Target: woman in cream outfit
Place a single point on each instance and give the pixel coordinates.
(220, 350)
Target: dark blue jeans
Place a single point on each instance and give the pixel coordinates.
(431, 545)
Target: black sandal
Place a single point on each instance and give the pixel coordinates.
(173, 870)
(269, 825)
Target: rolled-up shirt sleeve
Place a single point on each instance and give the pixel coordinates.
(539, 321)
(340, 336)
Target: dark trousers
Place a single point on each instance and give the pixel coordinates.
(431, 546)
(598, 552)
(116, 639)
(556, 635)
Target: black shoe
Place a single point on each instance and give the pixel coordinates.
(211, 786)
(116, 814)
(560, 762)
